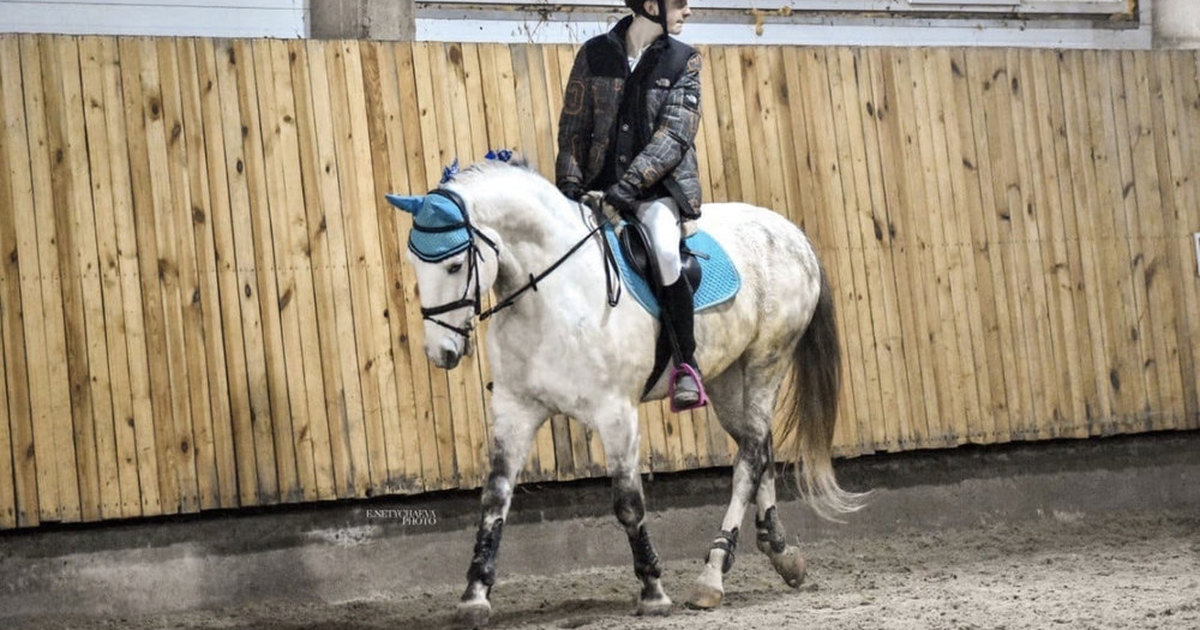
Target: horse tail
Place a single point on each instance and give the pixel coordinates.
(810, 406)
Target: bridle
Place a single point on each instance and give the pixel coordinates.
(473, 254)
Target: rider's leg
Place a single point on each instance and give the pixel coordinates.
(661, 218)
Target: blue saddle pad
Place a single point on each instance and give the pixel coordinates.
(719, 280)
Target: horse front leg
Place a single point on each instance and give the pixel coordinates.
(620, 437)
(513, 430)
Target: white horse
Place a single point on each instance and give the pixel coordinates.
(562, 349)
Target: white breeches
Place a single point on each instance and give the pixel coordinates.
(661, 218)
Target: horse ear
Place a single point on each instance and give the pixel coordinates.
(408, 204)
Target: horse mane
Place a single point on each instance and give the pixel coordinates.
(481, 167)
(490, 182)
(479, 175)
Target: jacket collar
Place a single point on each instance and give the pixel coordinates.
(616, 36)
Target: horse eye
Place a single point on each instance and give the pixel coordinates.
(454, 268)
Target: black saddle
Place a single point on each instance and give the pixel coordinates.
(635, 245)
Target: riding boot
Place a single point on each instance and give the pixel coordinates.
(678, 313)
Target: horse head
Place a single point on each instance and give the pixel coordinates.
(456, 263)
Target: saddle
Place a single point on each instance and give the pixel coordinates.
(635, 246)
(716, 283)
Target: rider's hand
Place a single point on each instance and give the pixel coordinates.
(623, 197)
(594, 199)
(571, 190)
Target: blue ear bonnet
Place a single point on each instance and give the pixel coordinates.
(439, 229)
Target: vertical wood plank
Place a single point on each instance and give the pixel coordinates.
(236, 230)
(216, 451)
(287, 464)
(436, 148)
(414, 129)
(989, 83)
(87, 348)
(14, 193)
(734, 88)
(1158, 318)
(949, 258)
(371, 328)
(346, 432)
(137, 429)
(1177, 96)
(219, 106)
(279, 234)
(206, 385)
(886, 299)
(1129, 233)
(1128, 385)
(412, 377)
(1070, 76)
(471, 85)
(52, 398)
(329, 361)
(8, 498)
(177, 274)
(1064, 250)
(966, 158)
(866, 235)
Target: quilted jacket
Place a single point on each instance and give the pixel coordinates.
(638, 127)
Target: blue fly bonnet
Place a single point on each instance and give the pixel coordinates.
(439, 228)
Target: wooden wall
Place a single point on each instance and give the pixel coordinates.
(203, 302)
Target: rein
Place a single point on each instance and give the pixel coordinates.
(611, 271)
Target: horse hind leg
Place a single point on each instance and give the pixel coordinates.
(746, 415)
(771, 537)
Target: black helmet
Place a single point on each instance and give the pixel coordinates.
(639, 8)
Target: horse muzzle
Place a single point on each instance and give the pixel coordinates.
(448, 352)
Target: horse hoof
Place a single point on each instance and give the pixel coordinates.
(705, 597)
(654, 607)
(790, 566)
(474, 614)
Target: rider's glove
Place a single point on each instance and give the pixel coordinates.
(623, 197)
(594, 199)
(572, 190)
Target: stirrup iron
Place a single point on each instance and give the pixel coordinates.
(681, 370)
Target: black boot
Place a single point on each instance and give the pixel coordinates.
(679, 314)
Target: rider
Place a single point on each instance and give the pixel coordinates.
(628, 127)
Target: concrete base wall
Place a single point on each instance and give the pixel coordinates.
(349, 551)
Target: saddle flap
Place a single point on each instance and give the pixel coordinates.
(635, 247)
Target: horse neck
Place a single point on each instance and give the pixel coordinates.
(537, 230)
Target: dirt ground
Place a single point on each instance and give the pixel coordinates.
(1064, 571)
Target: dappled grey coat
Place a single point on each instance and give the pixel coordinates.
(639, 128)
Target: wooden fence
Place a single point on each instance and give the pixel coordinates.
(203, 302)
